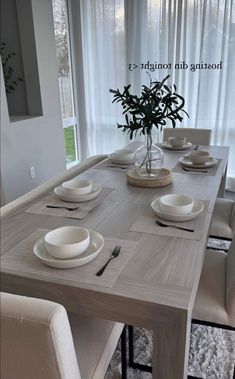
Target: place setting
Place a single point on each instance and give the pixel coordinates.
(77, 190)
(176, 144)
(175, 215)
(75, 199)
(73, 253)
(119, 160)
(197, 162)
(68, 247)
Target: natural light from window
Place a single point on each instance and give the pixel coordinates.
(65, 79)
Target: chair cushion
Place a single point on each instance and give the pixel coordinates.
(221, 222)
(95, 341)
(210, 302)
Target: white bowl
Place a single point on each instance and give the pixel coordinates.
(176, 204)
(177, 141)
(123, 155)
(67, 242)
(196, 211)
(199, 156)
(77, 187)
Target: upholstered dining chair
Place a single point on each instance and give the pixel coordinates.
(194, 135)
(223, 219)
(40, 340)
(215, 299)
(51, 184)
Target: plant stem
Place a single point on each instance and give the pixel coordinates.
(149, 152)
(147, 161)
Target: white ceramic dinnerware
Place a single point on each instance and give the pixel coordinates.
(176, 204)
(199, 156)
(77, 187)
(177, 141)
(94, 248)
(198, 207)
(168, 146)
(185, 161)
(123, 156)
(67, 242)
(96, 189)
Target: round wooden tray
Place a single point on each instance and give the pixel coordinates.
(165, 177)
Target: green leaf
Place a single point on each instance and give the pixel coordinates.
(153, 107)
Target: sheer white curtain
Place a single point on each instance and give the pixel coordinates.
(109, 35)
(199, 32)
(98, 37)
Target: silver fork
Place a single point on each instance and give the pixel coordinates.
(114, 254)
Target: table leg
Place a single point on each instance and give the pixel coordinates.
(221, 191)
(171, 348)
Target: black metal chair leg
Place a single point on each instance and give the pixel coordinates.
(146, 368)
(124, 353)
(131, 346)
(132, 362)
(220, 238)
(213, 324)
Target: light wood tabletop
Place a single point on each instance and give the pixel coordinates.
(152, 285)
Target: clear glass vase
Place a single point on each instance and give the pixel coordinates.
(148, 158)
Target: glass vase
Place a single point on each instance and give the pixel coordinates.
(148, 158)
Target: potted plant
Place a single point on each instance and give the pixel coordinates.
(156, 104)
(10, 79)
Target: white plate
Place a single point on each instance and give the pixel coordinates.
(120, 160)
(96, 188)
(166, 145)
(94, 248)
(196, 211)
(185, 161)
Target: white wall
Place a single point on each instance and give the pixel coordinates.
(35, 141)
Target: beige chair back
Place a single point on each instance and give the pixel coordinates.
(41, 341)
(223, 219)
(232, 222)
(230, 282)
(52, 183)
(196, 136)
(36, 340)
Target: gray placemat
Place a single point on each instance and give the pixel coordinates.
(83, 208)
(21, 259)
(146, 224)
(211, 171)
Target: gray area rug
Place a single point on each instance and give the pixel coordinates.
(211, 355)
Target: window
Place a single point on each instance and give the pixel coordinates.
(65, 79)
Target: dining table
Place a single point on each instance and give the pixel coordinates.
(152, 283)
